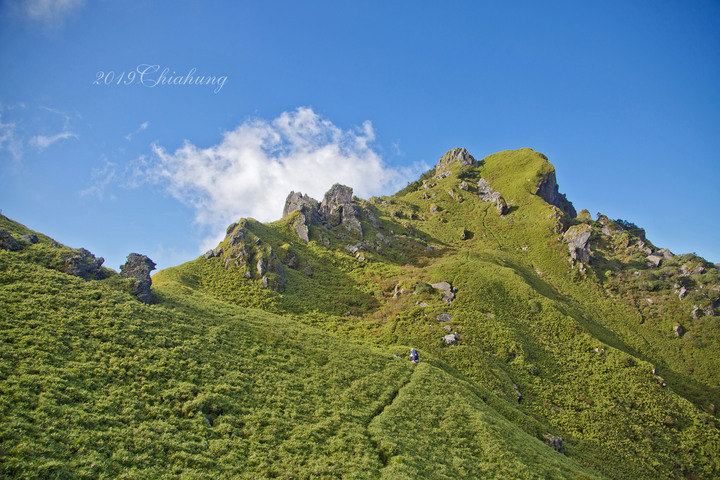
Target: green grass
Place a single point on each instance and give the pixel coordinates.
(226, 379)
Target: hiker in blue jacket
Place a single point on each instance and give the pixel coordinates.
(414, 356)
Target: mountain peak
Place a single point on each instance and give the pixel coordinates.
(459, 156)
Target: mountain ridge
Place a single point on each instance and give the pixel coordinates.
(531, 319)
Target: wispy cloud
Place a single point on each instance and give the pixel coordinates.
(50, 13)
(32, 127)
(143, 126)
(9, 138)
(101, 178)
(42, 142)
(251, 171)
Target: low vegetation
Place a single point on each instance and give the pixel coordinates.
(305, 374)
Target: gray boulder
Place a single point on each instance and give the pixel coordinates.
(139, 267)
(452, 339)
(30, 237)
(446, 288)
(578, 238)
(556, 443)
(444, 317)
(654, 260)
(8, 242)
(501, 206)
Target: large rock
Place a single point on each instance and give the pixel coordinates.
(139, 267)
(81, 263)
(338, 208)
(548, 191)
(578, 238)
(309, 213)
(452, 339)
(298, 201)
(301, 226)
(556, 443)
(455, 157)
(501, 206)
(8, 242)
(654, 260)
(30, 237)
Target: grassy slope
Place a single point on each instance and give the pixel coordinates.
(94, 384)
(525, 314)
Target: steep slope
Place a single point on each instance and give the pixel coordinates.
(572, 321)
(96, 384)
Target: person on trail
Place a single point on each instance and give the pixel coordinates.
(414, 356)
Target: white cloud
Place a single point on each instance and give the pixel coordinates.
(9, 139)
(101, 178)
(42, 142)
(252, 170)
(49, 12)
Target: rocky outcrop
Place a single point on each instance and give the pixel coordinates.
(578, 238)
(485, 191)
(81, 263)
(455, 157)
(487, 194)
(298, 201)
(654, 260)
(556, 443)
(8, 242)
(548, 191)
(30, 238)
(139, 267)
(338, 208)
(301, 226)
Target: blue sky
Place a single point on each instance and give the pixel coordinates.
(99, 149)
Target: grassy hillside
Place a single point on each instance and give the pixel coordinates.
(94, 384)
(274, 357)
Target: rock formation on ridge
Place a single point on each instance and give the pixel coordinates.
(139, 267)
